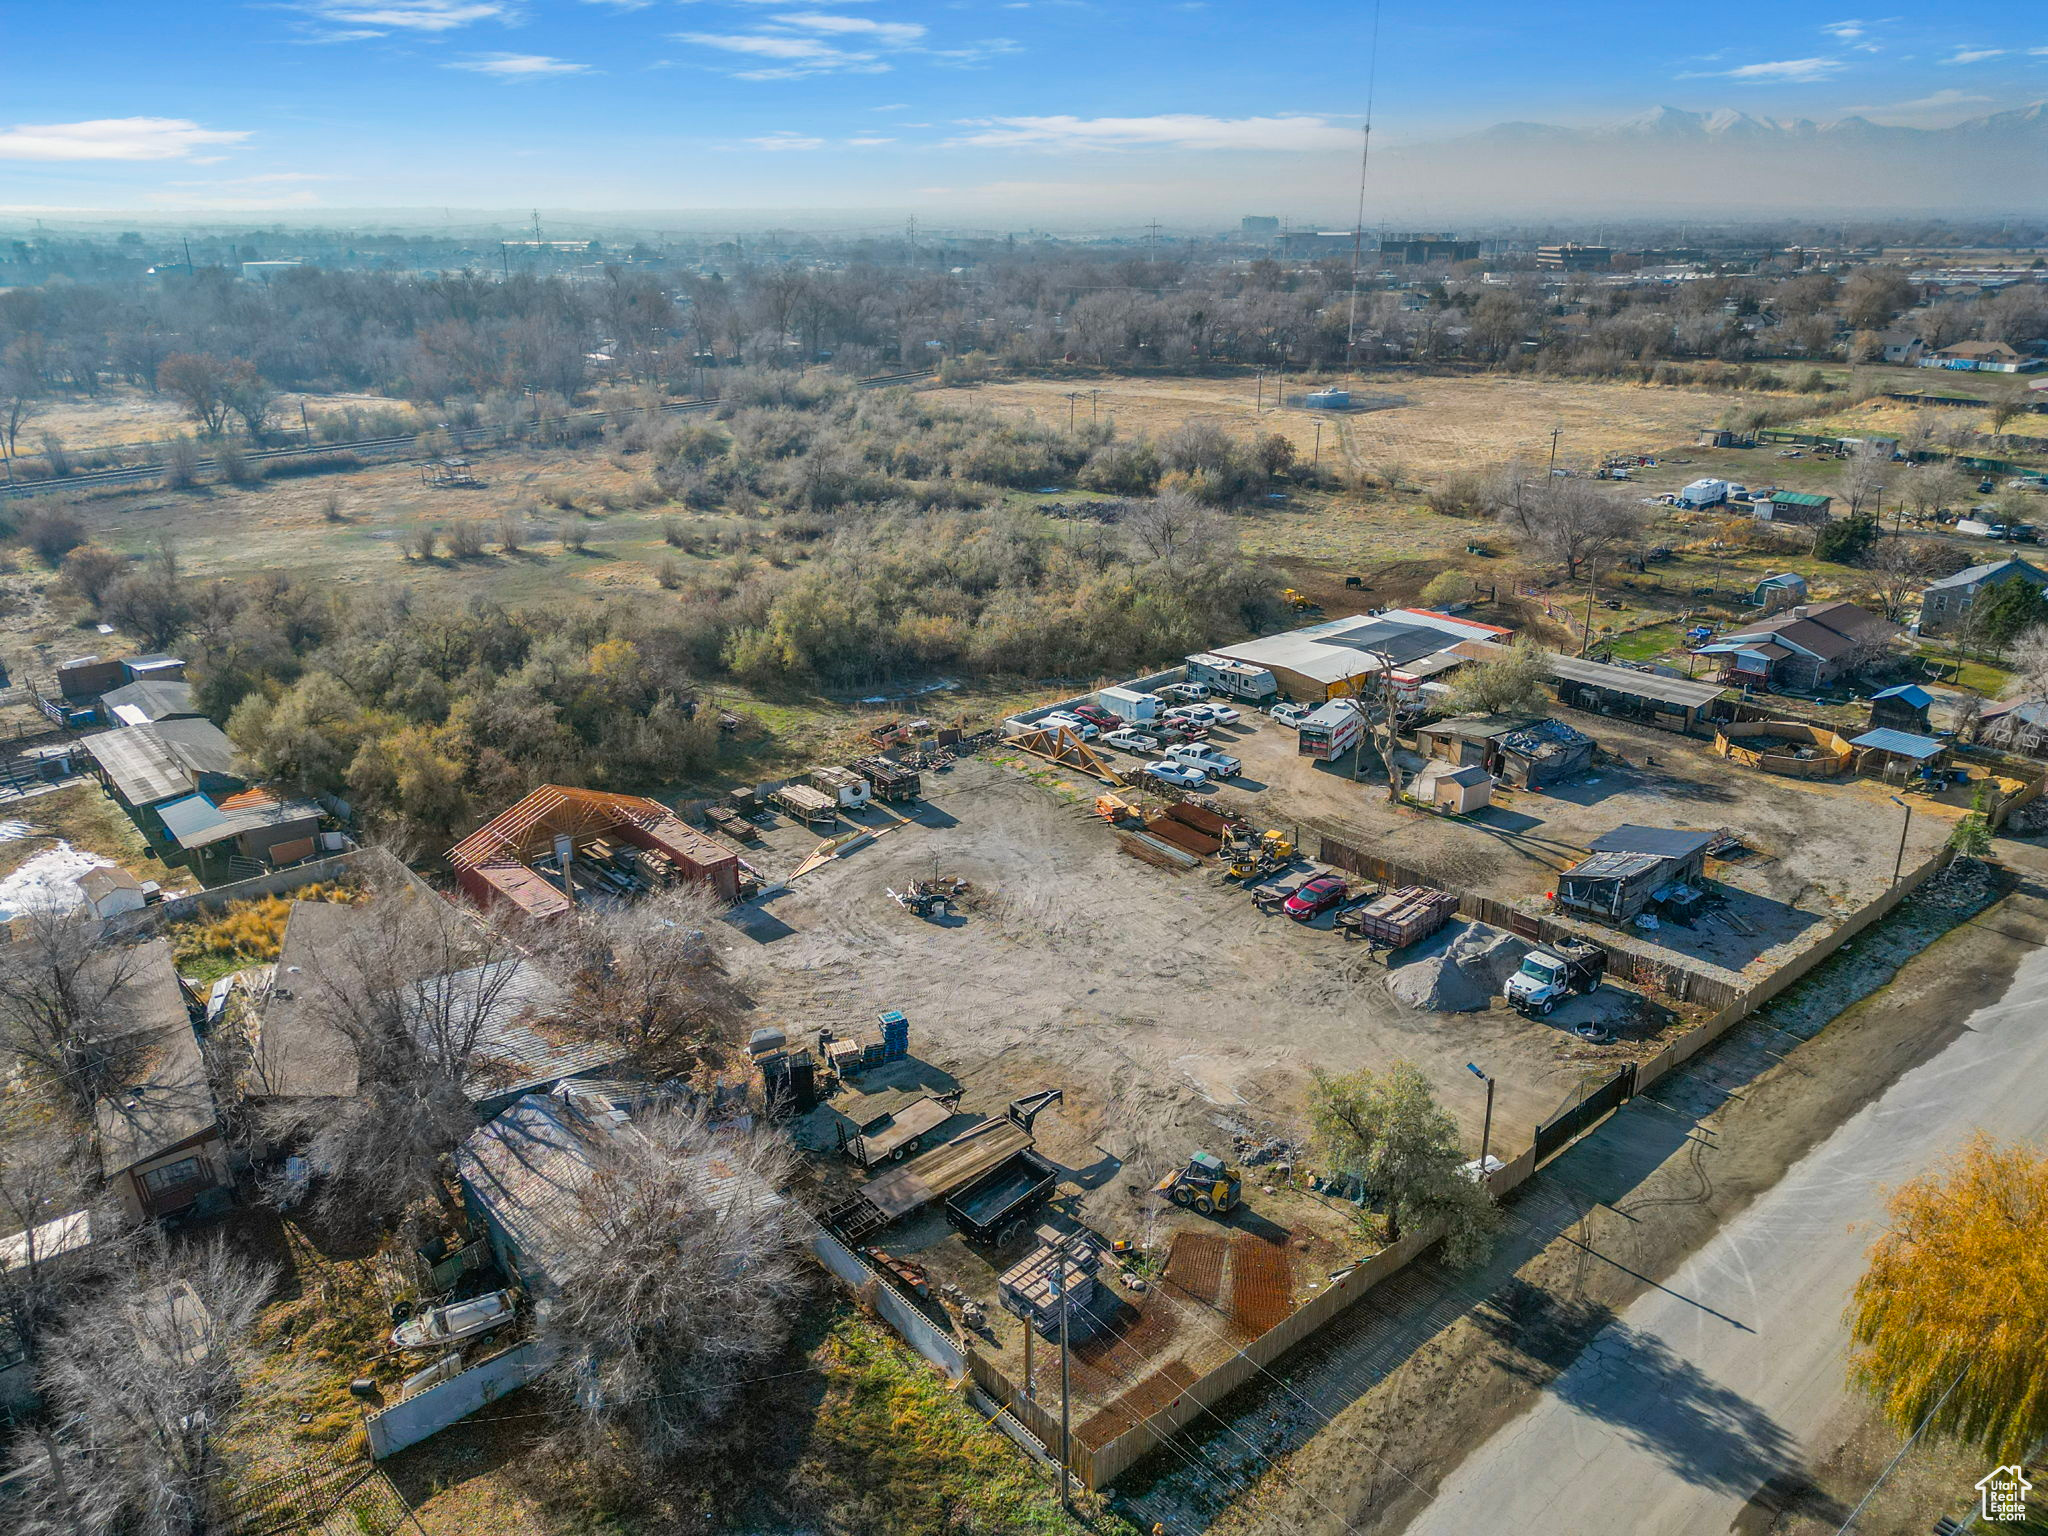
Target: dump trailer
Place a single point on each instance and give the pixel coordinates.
(1400, 917)
(996, 1206)
(1554, 972)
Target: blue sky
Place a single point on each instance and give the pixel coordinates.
(976, 111)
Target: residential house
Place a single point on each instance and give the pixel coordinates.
(241, 834)
(524, 1176)
(1521, 750)
(1981, 357)
(511, 1008)
(1626, 869)
(1903, 348)
(149, 700)
(143, 766)
(158, 1138)
(1807, 646)
(1804, 508)
(1945, 605)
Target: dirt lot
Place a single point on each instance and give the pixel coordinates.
(127, 415)
(1818, 851)
(1172, 1012)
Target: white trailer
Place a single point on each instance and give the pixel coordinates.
(1239, 679)
(1129, 704)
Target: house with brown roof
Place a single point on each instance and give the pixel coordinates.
(1802, 648)
(1981, 357)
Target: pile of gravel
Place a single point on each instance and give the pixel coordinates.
(1465, 977)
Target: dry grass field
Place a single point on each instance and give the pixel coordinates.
(1424, 426)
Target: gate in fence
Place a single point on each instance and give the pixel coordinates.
(1612, 1094)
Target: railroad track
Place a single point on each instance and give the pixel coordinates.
(463, 437)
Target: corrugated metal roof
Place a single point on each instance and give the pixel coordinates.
(1330, 652)
(153, 699)
(1679, 691)
(1906, 693)
(1900, 743)
(196, 822)
(1980, 573)
(1663, 842)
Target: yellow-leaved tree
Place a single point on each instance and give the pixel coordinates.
(1950, 1317)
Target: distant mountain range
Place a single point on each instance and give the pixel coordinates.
(1733, 161)
(1674, 125)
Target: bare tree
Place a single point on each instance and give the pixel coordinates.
(65, 1008)
(21, 391)
(1863, 484)
(408, 990)
(645, 977)
(1899, 567)
(65, 1235)
(144, 1385)
(1573, 522)
(677, 1282)
(1174, 529)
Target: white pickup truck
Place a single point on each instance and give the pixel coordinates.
(1218, 765)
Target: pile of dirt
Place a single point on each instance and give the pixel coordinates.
(1465, 977)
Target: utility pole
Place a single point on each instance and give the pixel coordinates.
(1066, 1437)
(1091, 405)
(1260, 406)
(1592, 591)
(1315, 462)
(1555, 433)
(1899, 863)
(305, 424)
(1486, 1130)
(1073, 398)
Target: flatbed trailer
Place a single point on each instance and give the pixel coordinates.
(892, 1138)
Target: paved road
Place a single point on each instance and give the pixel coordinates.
(1710, 1391)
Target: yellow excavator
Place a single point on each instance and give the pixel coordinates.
(1300, 602)
(1256, 860)
(1206, 1185)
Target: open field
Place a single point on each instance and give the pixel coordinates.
(123, 414)
(85, 817)
(1426, 426)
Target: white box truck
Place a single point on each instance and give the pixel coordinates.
(1239, 679)
(1129, 704)
(1331, 730)
(1704, 493)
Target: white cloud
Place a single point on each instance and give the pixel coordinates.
(1776, 72)
(1846, 31)
(518, 66)
(787, 140)
(1974, 55)
(883, 34)
(1168, 130)
(1937, 102)
(868, 141)
(799, 56)
(904, 106)
(112, 138)
(371, 18)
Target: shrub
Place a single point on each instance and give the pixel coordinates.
(424, 541)
(672, 533)
(575, 537)
(90, 570)
(52, 532)
(669, 573)
(466, 539)
(181, 463)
